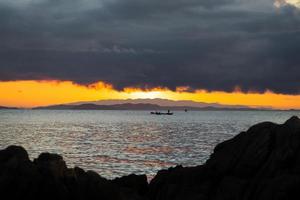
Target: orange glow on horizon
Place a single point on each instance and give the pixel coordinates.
(33, 93)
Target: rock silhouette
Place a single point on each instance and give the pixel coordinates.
(262, 163)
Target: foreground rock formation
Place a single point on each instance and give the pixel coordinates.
(262, 163)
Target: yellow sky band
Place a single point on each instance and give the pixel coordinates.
(29, 94)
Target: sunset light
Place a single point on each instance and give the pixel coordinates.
(147, 95)
(30, 94)
(150, 99)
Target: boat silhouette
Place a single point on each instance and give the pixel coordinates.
(161, 113)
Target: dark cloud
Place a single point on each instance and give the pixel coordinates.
(211, 44)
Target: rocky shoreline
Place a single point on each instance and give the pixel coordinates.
(261, 163)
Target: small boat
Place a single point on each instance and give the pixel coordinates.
(161, 113)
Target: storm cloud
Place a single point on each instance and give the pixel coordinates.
(203, 44)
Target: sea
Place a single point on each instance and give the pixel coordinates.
(118, 143)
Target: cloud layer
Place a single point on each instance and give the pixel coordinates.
(207, 44)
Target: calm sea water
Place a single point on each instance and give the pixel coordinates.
(117, 143)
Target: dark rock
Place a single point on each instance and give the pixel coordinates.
(51, 163)
(260, 164)
(133, 185)
(13, 152)
(47, 177)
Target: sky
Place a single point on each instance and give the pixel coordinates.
(243, 52)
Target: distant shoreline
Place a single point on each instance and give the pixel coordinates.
(147, 110)
(156, 104)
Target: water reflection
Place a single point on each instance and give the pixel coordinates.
(116, 143)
